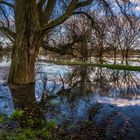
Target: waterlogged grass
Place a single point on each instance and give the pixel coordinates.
(25, 133)
(120, 67)
(110, 66)
(3, 117)
(17, 114)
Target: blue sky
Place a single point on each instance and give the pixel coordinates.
(137, 8)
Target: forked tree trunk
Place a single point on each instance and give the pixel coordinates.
(27, 43)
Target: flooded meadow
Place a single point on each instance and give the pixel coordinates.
(71, 94)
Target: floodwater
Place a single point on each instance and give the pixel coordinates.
(69, 94)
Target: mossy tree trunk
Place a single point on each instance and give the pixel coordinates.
(27, 43)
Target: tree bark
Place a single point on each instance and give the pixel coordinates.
(27, 43)
(22, 67)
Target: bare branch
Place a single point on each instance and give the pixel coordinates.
(7, 4)
(62, 18)
(49, 9)
(72, 6)
(8, 33)
(82, 4)
(89, 17)
(58, 50)
(40, 12)
(124, 12)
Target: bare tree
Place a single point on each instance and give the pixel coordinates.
(27, 22)
(33, 20)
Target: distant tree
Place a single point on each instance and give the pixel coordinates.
(128, 35)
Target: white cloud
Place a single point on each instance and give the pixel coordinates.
(137, 8)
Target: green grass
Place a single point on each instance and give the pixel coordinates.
(17, 114)
(110, 66)
(119, 67)
(3, 117)
(26, 133)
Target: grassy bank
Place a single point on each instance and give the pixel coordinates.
(110, 66)
(11, 128)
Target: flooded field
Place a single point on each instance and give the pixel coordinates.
(71, 94)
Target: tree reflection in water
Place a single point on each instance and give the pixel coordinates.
(85, 79)
(67, 94)
(24, 99)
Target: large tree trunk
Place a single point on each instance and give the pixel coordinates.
(27, 43)
(22, 66)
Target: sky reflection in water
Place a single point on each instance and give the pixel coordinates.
(66, 93)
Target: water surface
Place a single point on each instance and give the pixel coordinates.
(68, 94)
